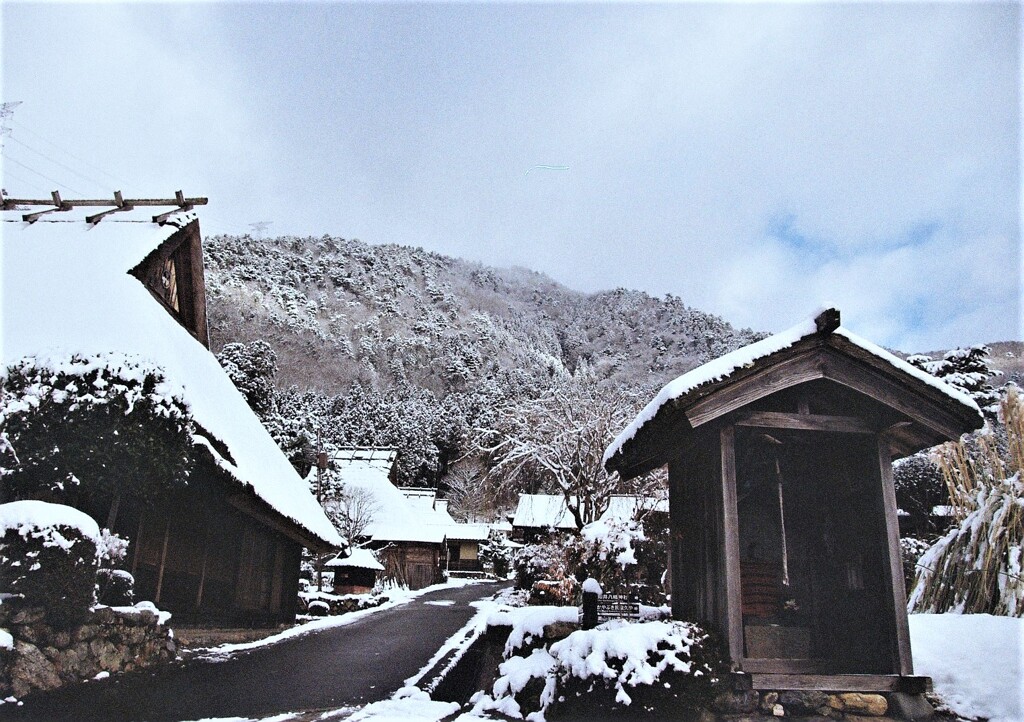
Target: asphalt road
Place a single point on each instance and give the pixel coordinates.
(362, 662)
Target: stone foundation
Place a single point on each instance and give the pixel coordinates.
(108, 640)
(752, 705)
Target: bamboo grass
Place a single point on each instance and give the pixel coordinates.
(976, 566)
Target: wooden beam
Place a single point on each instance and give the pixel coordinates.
(834, 682)
(55, 200)
(799, 369)
(178, 200)
(804, 422)
(731, 544)
(897, 601)
(120, 206)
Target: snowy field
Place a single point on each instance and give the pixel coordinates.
(975, 660)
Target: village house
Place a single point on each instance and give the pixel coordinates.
(399, 530)
(225, 547)
(785, 533)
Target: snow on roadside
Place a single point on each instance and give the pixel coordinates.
(975, 661)
(397, 597)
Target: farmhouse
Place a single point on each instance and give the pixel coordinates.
(785, 534)
(408, 545)
(357, 573)
(226, 546)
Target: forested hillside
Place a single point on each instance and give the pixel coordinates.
(392, 345)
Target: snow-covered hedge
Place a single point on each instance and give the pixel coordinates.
(48, 558)
(108, 421)
(621, 668)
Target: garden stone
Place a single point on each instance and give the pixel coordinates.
(28, 616)
(856, 703)
(32, 670)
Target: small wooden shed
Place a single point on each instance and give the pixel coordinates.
(784, 520)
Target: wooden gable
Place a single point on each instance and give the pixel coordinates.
(173, 273)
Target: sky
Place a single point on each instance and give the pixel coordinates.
(757, 160)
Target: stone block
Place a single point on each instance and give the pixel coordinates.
(31, 670)
(559, 630)
(30, 615)
(803, 703)
(61, 640)
(744, 702)
(858, 703)
(910, 707)
(103, 615)
(84, 633)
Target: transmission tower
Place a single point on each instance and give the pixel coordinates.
(260, 228)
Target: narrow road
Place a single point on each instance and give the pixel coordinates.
(362, 662)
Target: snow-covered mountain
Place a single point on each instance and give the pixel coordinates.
(337, 311)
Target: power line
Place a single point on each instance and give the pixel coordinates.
(21, 127)
(98, 182)
(41, 175)
(31, 184)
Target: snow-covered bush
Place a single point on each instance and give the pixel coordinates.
(318, 608)
(920, 487)
(911, 551)
(497, 553)
(976, 567)
(105, 423)
(115, 587)
(618, 670)
(48, 558)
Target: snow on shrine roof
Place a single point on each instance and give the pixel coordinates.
(624, 507)
(724, 366)
(66, 290)
(360, 559)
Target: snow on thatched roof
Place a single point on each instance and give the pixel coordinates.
(395, 517)
(722, 368)
(545, 511)
(66, 290)
(548, 511)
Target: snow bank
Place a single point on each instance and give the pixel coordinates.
(409, 704)
(528, 623)
(975, 661)
(39, 519)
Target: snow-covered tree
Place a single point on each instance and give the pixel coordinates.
(966, 369)
(252, 368)
(556, 443)
(351, 509)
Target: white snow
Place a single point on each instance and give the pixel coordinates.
(975, 661)
(359, 558)
(726, 365)
(592, 586)
(528, 622)
(66, 290)
(39, 519)
(408, 705)
(162, 617)
(545, 511)
(6, 640)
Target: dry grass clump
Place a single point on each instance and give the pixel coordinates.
(976, 566)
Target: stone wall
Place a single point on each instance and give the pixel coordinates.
(108, 640)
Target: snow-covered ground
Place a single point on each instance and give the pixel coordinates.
(975, 660)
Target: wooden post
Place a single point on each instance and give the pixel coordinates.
(163, 562)
(904, 663)
(206, 559)
(138, 542)
(589, 620)
(731, 544)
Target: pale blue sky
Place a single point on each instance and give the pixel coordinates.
(757, 160)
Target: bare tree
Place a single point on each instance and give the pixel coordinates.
(351, 509)
(557, 442)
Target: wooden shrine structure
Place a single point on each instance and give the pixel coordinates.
(783, 512)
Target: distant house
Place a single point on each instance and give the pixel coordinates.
(227, 546)
(783, 512)
(537, 515)
(357, 573)
(409, 546)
